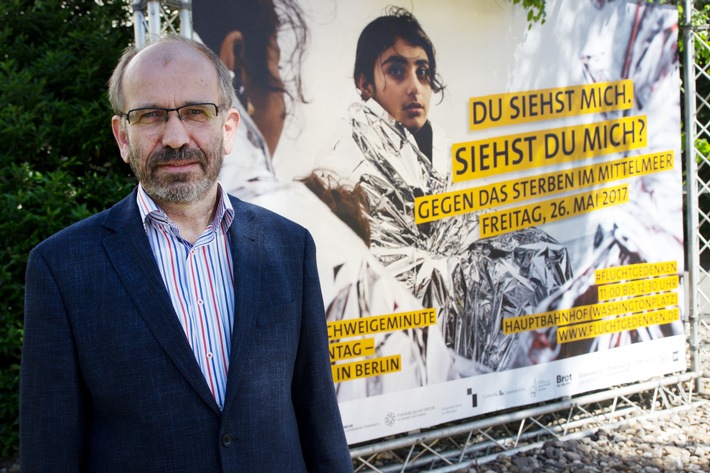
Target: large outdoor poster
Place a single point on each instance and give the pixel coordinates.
(497, 204)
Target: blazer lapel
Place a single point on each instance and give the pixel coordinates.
(130, 254)
(245, 236)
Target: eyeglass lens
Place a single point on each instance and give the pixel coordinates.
(194, 113)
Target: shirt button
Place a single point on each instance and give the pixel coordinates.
(209, 354)
(227, 440)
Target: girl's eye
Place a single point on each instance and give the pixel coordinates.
(423, 73)
(396, 71)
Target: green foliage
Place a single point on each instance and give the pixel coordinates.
(699, 21)
(535, 9)
(58, 162)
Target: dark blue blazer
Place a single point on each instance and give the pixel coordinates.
(110, 384)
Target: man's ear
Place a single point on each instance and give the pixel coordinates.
(119, 132)
(365, 87)
(230, 128)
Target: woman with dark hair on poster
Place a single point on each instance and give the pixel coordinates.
(389, 149)
(395, 75)
(245, 35)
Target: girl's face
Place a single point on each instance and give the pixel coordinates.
(402, 84)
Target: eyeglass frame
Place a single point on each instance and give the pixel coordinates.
(167, 111)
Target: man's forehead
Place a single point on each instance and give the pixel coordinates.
(164, 54)
(169, 74)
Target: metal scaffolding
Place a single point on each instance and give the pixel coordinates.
(153, 18)
(476, 441)
(696, 80)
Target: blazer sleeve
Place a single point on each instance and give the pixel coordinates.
(51, 395)
(323, 442)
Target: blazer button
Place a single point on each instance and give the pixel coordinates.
(227, 440)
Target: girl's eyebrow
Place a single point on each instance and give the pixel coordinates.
(399, 59)
(395, 58)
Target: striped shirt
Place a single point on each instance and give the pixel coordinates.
(200, 281)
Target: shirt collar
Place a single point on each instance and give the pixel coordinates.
(150, 211)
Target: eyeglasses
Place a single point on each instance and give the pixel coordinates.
(189, 114)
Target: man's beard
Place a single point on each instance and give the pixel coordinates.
(186, 187)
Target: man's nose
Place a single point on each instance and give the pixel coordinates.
(175, 134)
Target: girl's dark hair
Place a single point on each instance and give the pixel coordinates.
(258, 21)
(382, 33)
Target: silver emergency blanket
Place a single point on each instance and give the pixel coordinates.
(508, 276)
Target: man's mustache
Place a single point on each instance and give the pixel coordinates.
(180, 155)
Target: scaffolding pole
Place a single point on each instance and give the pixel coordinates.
(154, 18)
